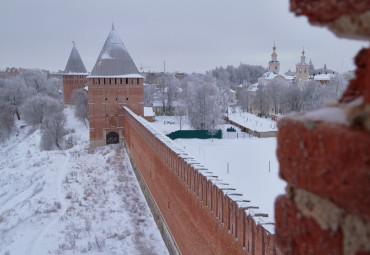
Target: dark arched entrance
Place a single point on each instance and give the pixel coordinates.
(112, 137)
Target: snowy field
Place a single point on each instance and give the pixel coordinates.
(169, 124)
(75, 201)
(251, 121)
(249, 165)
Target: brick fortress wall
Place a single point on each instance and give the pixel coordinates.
(325, 155)
(107, 96)
(201, 217)
(70, 83)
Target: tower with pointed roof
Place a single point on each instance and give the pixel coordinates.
(114, 82)
(274, 65)
(74, 76)
(302, 68)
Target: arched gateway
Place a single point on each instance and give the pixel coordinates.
(112, 138)
(114, 82)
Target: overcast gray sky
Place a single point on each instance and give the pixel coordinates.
(190, 35)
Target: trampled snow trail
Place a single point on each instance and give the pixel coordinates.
(36, 244)
(72, 201)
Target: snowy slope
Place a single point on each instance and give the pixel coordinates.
(73, 201)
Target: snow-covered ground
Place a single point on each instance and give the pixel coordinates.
(248, 164)
(251, 121)
(169, 124)
(72, 201)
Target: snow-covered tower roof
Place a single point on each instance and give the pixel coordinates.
(114, 59)
(75, 64)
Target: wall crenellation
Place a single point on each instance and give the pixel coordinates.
(201, 212)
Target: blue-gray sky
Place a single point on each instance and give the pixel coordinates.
(189, 35)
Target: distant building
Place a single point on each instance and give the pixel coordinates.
(113, 83)
(74, 76)
(274, 73)
(10, 72)
(274, 65)
(302, 70)
(323, 78)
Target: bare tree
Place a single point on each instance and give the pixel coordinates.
(205, 103)
(14, 93)
(274, 93)
(172, 88)
(167, 89)
(149, 92)
(6, 120)
(34, 78)
(180, 112)
(80, 100)
(35, 109)
(314, 95)
(338, 85)
(260, 100)
(292, 99)
(54, 88)
(162, 83)
(53, 131)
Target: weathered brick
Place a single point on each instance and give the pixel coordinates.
(327, 159)
(327, 10)
(70, 83)
(363, 253)
(298, 234)
(361, 85)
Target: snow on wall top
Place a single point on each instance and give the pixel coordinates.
(134, 75)
(75, 65)
(267, 222)
(148, 111)
(114, 59)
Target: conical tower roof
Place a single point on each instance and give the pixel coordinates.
(75, 64)
(114, 59)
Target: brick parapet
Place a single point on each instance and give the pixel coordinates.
(359, 87)
(328, 159)
(200, 214)
(324, 11)
(327, 165)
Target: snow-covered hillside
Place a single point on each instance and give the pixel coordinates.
(71, 201)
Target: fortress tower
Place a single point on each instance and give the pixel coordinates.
(302, 69)
(74, 76)
(274, 65)
(113, 83)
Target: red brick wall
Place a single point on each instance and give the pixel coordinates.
(326, 160)
(107, 96)
(70, 83)
(202, 219)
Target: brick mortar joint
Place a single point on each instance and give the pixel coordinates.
(355, 229)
